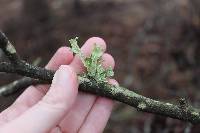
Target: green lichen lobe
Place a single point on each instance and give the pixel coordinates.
(195, 113)
(93, 62)
(142, 105)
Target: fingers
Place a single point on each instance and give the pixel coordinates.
(84, 102)
(32, 95)
(63, 56)
(46, 114)
(99, 114)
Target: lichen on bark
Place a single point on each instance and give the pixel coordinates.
(93, 62)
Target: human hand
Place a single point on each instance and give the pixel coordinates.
(60, 108)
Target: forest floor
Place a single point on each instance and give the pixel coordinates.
(155, 44)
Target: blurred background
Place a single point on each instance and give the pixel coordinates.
(155, 43)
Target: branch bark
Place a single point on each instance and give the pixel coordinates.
(179, 111)
(17, 85)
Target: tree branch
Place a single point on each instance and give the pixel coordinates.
(17, 85)
(20, 84)
(181, 111)
(8, 48)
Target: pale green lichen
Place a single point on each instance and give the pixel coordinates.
(10, 48)
(93, 63)
(168, 104)
(195, 113)
(142, 105)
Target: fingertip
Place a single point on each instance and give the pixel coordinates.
(113, 82)
(68, 71)
(65, 52)
(63, 90)
(108, 60)
(65, 77)
(89, 44)
(98, 41)
(62, 56)
(64, 49)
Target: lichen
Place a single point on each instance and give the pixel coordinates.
(169, 104)
(10, 48)
(142, 105)
(195, 113)
(93, 62)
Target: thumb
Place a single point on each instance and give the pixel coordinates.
(48, 112)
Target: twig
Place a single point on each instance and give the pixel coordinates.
(20, 84)
(8, 49)
(117, 93)
(17, 85)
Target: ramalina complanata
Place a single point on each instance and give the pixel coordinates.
(93, 63)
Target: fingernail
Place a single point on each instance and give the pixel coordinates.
(62, 75)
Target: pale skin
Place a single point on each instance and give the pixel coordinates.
(60, 108)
